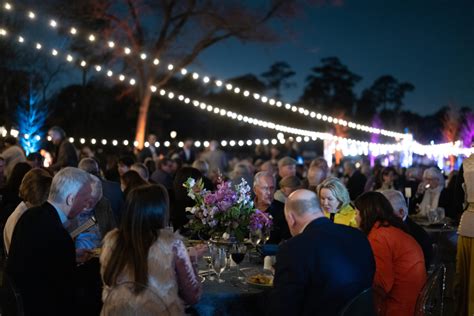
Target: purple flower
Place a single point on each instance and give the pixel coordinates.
(260, 220)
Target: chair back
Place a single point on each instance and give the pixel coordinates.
(11, 303)
(431, 298)
(130, 298)
(361, 305)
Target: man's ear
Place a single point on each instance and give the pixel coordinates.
(290, 219)
(401, 213)
(69, 200)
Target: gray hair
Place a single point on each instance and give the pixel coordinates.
(89, 165)
(96, 188)
(202, 166)
(434, 172)
(337, 188)
(141, 169)
(397, 200)
(257, 178)
(307, 205)
(68, 181)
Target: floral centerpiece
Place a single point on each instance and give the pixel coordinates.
(226, 213)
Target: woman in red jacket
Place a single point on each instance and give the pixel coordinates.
(399, 263)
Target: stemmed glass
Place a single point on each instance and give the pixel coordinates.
(237, 252)
(218, 261)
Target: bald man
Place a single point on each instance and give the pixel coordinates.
(323, 266)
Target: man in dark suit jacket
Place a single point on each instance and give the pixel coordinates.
(42, 258)
(66, 155)
(323, 266)
(416, 231)
(355, 180)
(187, 154)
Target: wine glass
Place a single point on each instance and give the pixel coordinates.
(237, 252)
(255, 237)
(218, 261)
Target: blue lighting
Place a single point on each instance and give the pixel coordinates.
(32, 114)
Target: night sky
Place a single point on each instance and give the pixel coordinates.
(429, 43)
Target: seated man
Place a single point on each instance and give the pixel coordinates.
(323, 266)
(42, 258)
(417, 232)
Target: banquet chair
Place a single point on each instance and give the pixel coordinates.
(122, 300)
(361, 305)
(11, 303)
(430, 301)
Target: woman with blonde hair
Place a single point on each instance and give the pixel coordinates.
(335, 202)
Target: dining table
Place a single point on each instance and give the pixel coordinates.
(233, 296)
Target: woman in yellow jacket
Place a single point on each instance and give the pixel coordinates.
(335, 202)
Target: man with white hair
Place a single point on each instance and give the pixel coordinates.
(42, 257)
(400, 208)
(323, 266)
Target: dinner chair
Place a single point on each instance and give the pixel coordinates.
(430, 301)
(361, 305)
(122, 300)
(11, 303)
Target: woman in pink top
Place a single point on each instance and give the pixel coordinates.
(151, 257)
(399, 263)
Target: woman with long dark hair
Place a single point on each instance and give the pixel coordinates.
(143, 252)
(400, 266)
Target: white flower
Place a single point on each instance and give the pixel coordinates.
(225, 236)
(191, 194)
(191, 182)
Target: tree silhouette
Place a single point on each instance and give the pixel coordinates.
(330, 87)
(171, 31)
(386, 92)
(277, 77)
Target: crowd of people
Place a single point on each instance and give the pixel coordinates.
(341, 230)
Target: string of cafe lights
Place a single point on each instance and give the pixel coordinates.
(126, 51)
(363, 147)
(200, 105)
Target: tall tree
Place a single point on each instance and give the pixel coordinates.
(330, 87)
(387, 92)
(172, 31)
(278, 77)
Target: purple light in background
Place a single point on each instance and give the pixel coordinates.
(467, 130)
(374, 138)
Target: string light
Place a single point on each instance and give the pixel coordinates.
(264, 99)
(446, 149)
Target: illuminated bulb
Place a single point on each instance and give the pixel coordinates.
(236, 90)
(195, 76)
(271, 101)
(104, 142)
(157, 144)
(132, 82)
(205, 79)
(312, 114)
(246, 93)
(3, 32)
(111, 44)
(135, 143)
(125, 142)
(21, 39)
(162, 92)
(197, 143)
(249, 143)
(279, 104)
(241, 143)
(49, 138)
(110, 73)
(171, 95)
(7, 6)
(294, 108)
(184, 71)
(143, 56)
(180, 97)
(218, 83)
(38, 46)
(82, 140)
(265, 142)
(209, 108)
(274, 141)
(147, 144)
(223, 143)
(170, 67)
(98, 68)
(73, 31)
(54, 52)
(223, 112)
(71, 139)
(167, 144)
(298, 139)
(115, 142)
(280, 135)
(156, 61)
(173, 134)
(53, 23)
(319, 116)
(180, 144)
(232, 143)
(287, 106)
(127, 50)
(38, 138)
(228, 86)
(264, 99)
(256, 96)
(31, 15)
(93, 141)
(206, 144)
(91, 37)
(121, 77)
(257, 142)
(69, 58)
(83, 63)
(153, 89)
